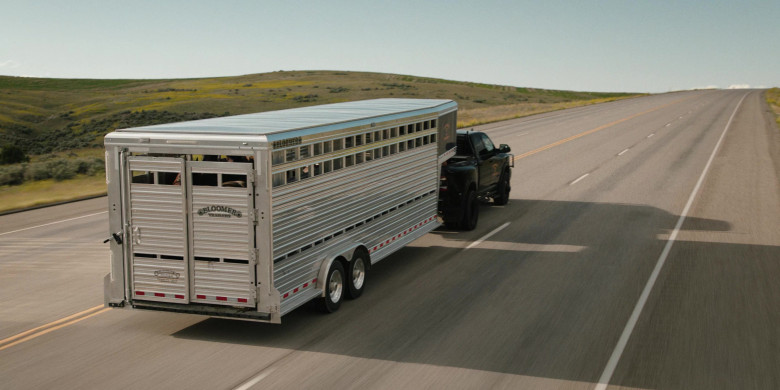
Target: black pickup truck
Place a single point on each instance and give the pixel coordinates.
(478, 171)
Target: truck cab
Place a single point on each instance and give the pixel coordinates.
(478, 171)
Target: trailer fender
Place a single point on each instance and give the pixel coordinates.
(344, 254)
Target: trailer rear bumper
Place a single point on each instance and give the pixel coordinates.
(207, 310)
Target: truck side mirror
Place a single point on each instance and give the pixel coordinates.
(504, 148)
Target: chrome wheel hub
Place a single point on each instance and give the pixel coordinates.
(358, 274)
(336, 285)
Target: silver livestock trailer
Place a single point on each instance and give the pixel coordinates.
(251, 216)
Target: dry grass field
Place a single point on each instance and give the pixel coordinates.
(773, 98)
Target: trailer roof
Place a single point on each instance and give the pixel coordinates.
(314, 118)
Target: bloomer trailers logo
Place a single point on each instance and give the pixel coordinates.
(220, 211)
(167, 276)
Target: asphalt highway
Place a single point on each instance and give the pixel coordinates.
(640, 249)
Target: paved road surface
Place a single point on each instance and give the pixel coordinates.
(544, 302)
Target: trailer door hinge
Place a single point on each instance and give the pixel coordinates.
(254, 216)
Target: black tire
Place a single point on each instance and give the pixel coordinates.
(356, 275)
(470, 214)
(334, 289)
(502, 196)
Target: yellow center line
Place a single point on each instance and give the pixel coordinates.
(50, 327)
(591, 131)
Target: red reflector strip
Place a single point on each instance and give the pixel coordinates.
(200, 296)
(295, 290)
(161, 295)
(242, 300)
(403, 233)
(179, 296)
(222, 298)
(140, 293)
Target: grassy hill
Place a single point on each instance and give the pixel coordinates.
(60, 123)
(45, 115)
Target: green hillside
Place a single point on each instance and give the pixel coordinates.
(45, 115)
(51, 130)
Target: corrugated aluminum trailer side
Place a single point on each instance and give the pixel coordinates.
(377, 207)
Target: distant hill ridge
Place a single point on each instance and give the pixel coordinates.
(41, 115)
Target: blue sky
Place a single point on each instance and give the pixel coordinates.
(632, 46)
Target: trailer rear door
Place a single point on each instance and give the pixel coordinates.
(192, 230)
(222, 238)
(157, 220)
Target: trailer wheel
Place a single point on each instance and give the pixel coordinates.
(334, 288)
(356, 277)
(502, 197)
(470, 214)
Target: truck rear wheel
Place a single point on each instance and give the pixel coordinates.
(356, 277)
(334, 288)
(470, 214)
(502, 193)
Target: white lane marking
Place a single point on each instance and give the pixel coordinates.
(523, 133)
(668, 124)
(651, 135)
(255, 380)
(53, 223)
(609, 370)
(486, 236)
(623, 152)
(578, 179)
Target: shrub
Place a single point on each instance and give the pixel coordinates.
(62, 169)
(12, 154)
(11, 175)
(89, 166)
(37, 171)
(306, 98)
